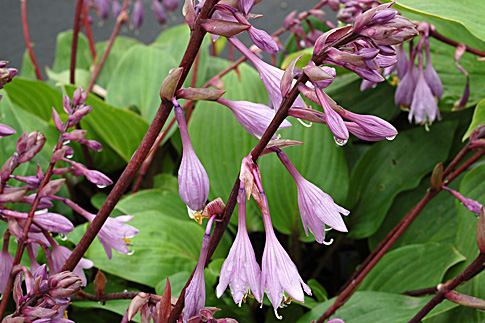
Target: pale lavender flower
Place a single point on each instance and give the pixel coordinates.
(336, 321)
(170, 5)
(6, 263)
(137, 15)
(316, 207)
(423, 107)
(254, 117)
(245, 5)
(432, 78)
(102, 8)
(52, 222)
(240, 270)
(195, 293)
(59, 256)
(279, 273)
(159, 12)
(372, 125)
(270, 75)
(402, 64)
(193, 181)
(6, 130)
(470, 204)
(94, 176)
(334, 121)
(116, 8)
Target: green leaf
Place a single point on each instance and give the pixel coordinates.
(412, 267)
(302, 62)
(120, 46)
(166, 182)
(436, 223)
(371, 307)
(168, 241)
(35, 97)
(478, 119)
(81, 77)
(28, 69)
(465, 12)
(402, 164)
(137, 78)
(122, 130)
(62, 61)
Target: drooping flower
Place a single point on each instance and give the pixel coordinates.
(193, 181)
(316, 207)
(334, 121)
(470, 204)
(195, 293)
(6, 263)
(240, 270)
(270, 75)
(137, 15)
(59, 256)
(254, 117)
(371, 124)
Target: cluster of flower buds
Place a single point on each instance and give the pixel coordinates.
(420, 87)
(46, 298)
(6, 76)
(351, 9)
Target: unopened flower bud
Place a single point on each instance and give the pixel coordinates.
(14, 194)
(52, 187)
(79, 114)
(59, 154)
(57, 120)
(224, 27)
(188, 11)
(6, 130)
(6, 74)
(169, 85)
(321, 76)
(199, 94)
(77, 97)
(93, 145)
(436, 181)
(465, 300)
(34, 144)
(8, 167)
(75, 135)
(470, 204)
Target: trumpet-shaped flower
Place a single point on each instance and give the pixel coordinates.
(254, 117)
(193, 180)
(316, 207)
(6, 263)
(240, 270)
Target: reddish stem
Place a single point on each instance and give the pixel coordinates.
(89, 34)
(75, 35)
(122, 17)
(433, 33)
(25, 27)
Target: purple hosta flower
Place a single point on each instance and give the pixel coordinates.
(6, 130)
(194, 183)
(59, 256)
(423, 106)
(240, 270)
(353, 8)
(170, 5)
(6, 74)
(470, 204)
(29, 145)
(430, 74)
(334, 120)
(316, 207)
(336, 321)
(102, 8)
(279, 273)
(137, 15)
(385, 26)
(52, 222)
(94, 176)
(402, 64)
(195, 293)
(372, 125)
(254, 117)
(116, 8)
(270, 75)
(245, 6)
(460, 50)
(6, 263)
(159, 12)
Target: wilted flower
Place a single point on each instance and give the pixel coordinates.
(316, 207)
(193, 181)
(254, 117)
(240, 270)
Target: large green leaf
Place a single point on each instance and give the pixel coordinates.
(478, 118)
(168, 241)
(137, 78)
(62, 61)
(436, 223)
(466, 12)
(412, 267)
(122, 130)
(120, 46)
(402, 163)
(371, 307)
(28, 69)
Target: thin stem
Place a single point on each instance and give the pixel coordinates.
(114, 296)
(75, 35)
(25, 27)
(421, 292)
(89, 34)
(477, 266)
(139, 156)
(433, 33)
(122, 17)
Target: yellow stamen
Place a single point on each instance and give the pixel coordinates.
(394, 81)
(126, 240)
(65, 315)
